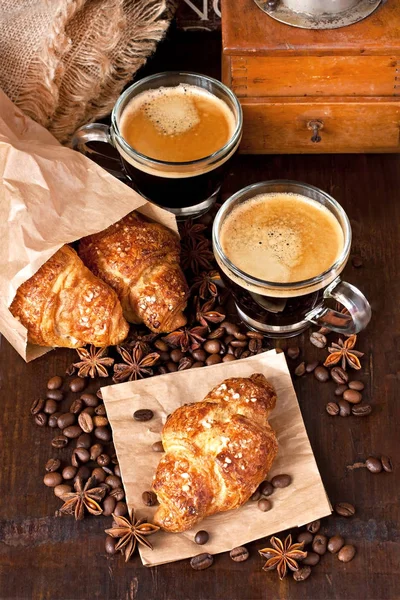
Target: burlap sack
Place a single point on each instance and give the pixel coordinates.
(65, 62)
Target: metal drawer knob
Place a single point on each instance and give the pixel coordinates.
(315, 127)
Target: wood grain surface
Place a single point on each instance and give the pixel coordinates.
(43, 556)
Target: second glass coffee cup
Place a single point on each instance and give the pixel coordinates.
(183, 128)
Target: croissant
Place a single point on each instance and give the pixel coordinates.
(64, 304)
(140, 261)
(217, 452)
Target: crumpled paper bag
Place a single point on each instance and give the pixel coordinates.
(49, 196)
(302, 502)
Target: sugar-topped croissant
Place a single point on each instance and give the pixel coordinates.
(217, 452)
(64, 304)
(139, 259)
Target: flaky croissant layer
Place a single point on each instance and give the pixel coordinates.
(217, 452)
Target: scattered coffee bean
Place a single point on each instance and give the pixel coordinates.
(199, 355)
(319, 543)
(310, 367)
(77, 384)
(53, 464)
(72, 431)
(387, 464)
(201, 561)
(239, 554)
(109, 545)
(357, 261)
(311, 559)
(266, 488)
(90, 399)
(69, 472)
(255, 346)
(41, 419)
(361, 410)
(228, 358)
(103, 434)
(83, 473)
(306, 537)
(213, 359)
(80, 455)
(255, 496)
(300, 369)
(176, 355)
(149, 498)
(86, 422)
(76, 406)
(356, 385)
(50, 407)
(54, 383)
(339, 375)
(100, 410)
(117, 471)
(65, 420)
(164, 357)
(185, 363)
(212, 346)
(143, 414)
(339, 391)
(293, 352)
(314, 526)
(99, 474)
(53, 419)
(62, 489)
(95, 451)
(321, 373)
(352, 396)
(120, 509)
(318, 339)
(37, 406)
(161, 345)
(109, 504)
(302, 574)
(60, 441)
(201, 537)
(88, 410)
(84, 441)
(347, 553)
(345, 509)
(281, 481)
(55, 395)
(264, 505)
(373, 464)
(332, 409)
(239, 335)
(118, 494)
(52, 479)
(335, 543)
(113, 481)
(344, 408)
(157, 447)
(230, 328)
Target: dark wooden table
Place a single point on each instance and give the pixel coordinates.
(45, 557)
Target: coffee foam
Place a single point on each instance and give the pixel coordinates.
(171, 114)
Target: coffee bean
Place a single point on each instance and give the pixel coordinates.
(72, 431)
(54, 383)
(281, 481)
(99, 474)
(237, 352)
(164, 357)
(86, 422)
(37, 406)
(255, 496)
(339, 375)
(201, 537)
(201, 561)
(340, 389)
(239, 343)
(77, 384)
(120, 509)
(76, 406)
(278, 350)
(199, 355)
(149, 498)
(212, 346)
(255, 335)
(161, 345)
(109, 545)
(266, 488)
(310, 367)
(314, 526)
(300, 369)
(176, 355)
(95, 451)
(344, 408)
(318, 339)
(306, 537)
(84, 441)
(347, 553)
(88, 410)
(357, 261)
(197, 364)
(345, 509)
(53, 464)
(50, 407)
(55, 395)
(239, 554)
(103, 434)
(113, 481)
(321, 373)
(356, 385)
(352, 396)
(69, 472)
(185, 363)
(213, 359)
(100, 410)
(118, 494)
(90, 399)
(157, 447)
(311, 559)
(103, 460)
(143, 414)
(319, 543)
(230, 328)
(62, 489)
(374, 465)
(335, 543)
(65, 420)
(302, 574)
(264, 505)
(60, 441)
(117, 471)
(52, 479)
(83, 473)
(80, 455)
(361, 411)
(53, 419)
(332, 409)
(387, 463)
(293, 352)
(41, 419)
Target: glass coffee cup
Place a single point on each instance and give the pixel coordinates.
(175, 133)
(286, 308)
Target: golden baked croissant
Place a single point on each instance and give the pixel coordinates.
(217, 452)
(64, 304)
(140, 261)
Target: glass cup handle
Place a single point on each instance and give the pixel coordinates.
(97, 132)
(359, 310)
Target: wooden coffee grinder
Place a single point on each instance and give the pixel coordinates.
(314, 76)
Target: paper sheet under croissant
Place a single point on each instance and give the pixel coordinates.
(303, 501)
(49, 196)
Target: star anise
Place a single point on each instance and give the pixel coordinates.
(344, 351)
(130, 533)
(87, 496)
(283, 555)
(188, 229)
(136, 364)
(205, 313)
(186, 338)
(142, 341)
(196, 255)
(206, 284)
(94, 362)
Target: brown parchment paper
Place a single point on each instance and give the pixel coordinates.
(303, 501)
(49, 196)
